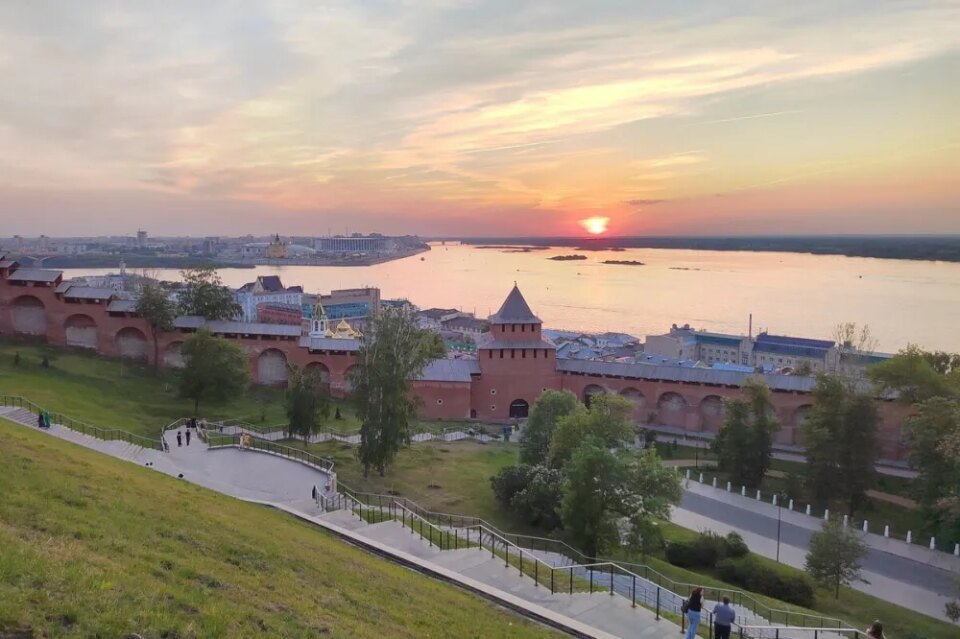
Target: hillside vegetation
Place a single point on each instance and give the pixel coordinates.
(96, 547)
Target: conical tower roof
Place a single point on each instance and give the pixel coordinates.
(515, 310)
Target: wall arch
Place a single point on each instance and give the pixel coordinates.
(132, 343)
(272, 368)
(712, 407)
(590, 391)
(28, 315)
(519, 409)
(635, 396)
(671, 402)
(799, 418)
(173, 355)
(81, 331)
(320, 370)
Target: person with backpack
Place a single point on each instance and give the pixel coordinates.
(692, 607)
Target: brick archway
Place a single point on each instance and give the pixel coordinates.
(132, 343)
(80, 330)
(272, 368)
(28, 315)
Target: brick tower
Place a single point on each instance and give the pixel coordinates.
(516, 362)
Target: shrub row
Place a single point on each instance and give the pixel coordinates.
(750, 574)
(706, 550)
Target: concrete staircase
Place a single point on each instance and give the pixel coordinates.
(601, 610)
(116, 448)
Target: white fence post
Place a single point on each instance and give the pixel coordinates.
(886, 531)
(826, 514)
(758, 494)
(688, 473)
(865, 529)
(846, 520)
(956, 550)
(790, 505)
(701, 478)
(743, 491)
(728, 487)
(933, 543)
(774, 500)
(808, 509)
(714, 482)
(909, 536)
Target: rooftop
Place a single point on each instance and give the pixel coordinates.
(330, 344)
(237, 328)
(438, 313)
(122, 306)
(34, 275)
(450, 370)
(515, 310)
(88, 293)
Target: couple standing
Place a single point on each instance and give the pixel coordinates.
(723, 615)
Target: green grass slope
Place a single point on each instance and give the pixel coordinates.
(92, 546)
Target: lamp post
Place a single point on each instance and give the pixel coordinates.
(780, 497)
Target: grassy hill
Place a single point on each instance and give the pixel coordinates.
(93, 546)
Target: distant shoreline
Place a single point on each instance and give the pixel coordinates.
(918, 248)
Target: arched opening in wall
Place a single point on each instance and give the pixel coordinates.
(671, 402)
(712, 412)
(28, 316)
(81, 331)
(173, 355)
(272, 368)
(590, 391)
(347, 384)
(519, 408)
(319, 372)
(635, 396)
(132, 343)
(799, 418)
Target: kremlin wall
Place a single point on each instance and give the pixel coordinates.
(515, 362)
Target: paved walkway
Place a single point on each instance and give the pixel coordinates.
(908, 575)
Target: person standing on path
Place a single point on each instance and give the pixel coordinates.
(188, 437)
(693, 607)
(179, 439)
(875, 631)
(723, 617)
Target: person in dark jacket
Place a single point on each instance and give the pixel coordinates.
(723, 617)
(188, 437)
(40, 422)
(694, 606)
(179, 439)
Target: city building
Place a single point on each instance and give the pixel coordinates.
(515, 362)
(433, 318)
(266, 289)
(355, 243)
(352, 304)
(685, 343)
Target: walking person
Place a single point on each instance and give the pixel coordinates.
(188, 437)
(723, 617)
(179, 439)
(40, 422)
(692, 607)
(875, 631)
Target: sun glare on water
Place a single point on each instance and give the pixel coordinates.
(595, 225)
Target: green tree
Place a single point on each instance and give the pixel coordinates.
(549, 408)
(537, 501)
(603, 489)
(204, 295)
(307, 403)
(835, 556)
(840, 436)
(911, 374)
(934, 438)
(155, 307)
(394, 352)
(214, 369)
(609, 419)
(744, 444)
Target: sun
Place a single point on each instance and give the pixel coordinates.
(595, 225)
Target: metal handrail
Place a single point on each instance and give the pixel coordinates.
(258, 443)
(651, 575)
(106, 434)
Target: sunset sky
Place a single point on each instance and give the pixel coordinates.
(450, 117)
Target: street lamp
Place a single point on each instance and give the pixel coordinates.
(780, 498)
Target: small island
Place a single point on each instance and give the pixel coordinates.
(567, 258)
(624, 262)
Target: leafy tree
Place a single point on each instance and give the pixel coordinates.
(159, 312)
(395, 350)
(911, 374)
(538, 500)
(609, 419)
(214, 369)
(942, 362)
(205, 295)
(744, 444)
(835, 556)
(603, 488)
(840, 433)
(549, 408)
(934, 438)
(510, 481)
(307, 402)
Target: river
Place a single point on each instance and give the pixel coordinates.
(787, 293)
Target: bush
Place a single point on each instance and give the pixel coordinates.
(735, 546)
(510, 481)
(703, 552)
(750, 574)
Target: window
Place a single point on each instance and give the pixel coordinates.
(501, 353)
(493, 407)
(439, 402)
(513, 328)
(513, 353)
(491, 354)
(523, 328)
(523, 353)
(534, 353)
(493, 391)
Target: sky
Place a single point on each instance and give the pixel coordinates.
(458, 118)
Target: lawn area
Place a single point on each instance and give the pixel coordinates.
(110, 393)
(94, 546)
(449, 477)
